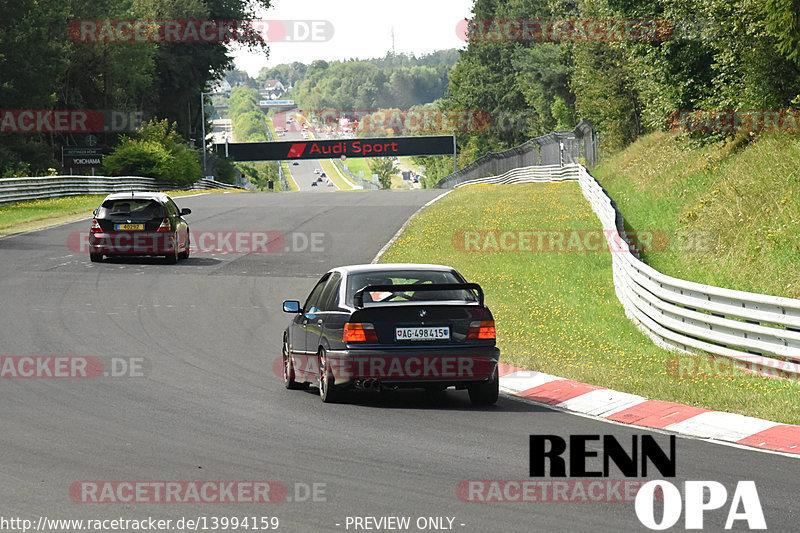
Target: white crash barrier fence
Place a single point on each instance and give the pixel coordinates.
(18, 189)
(760, 333)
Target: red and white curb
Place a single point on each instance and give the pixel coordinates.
(621, 407)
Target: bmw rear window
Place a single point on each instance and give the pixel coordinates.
(358, 281)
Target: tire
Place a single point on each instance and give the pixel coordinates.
(288, 369)
(327, 387)
(95, 258)
(485, 393)
(172, 258)
(185, 254)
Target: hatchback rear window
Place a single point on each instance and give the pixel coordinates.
(131, 207)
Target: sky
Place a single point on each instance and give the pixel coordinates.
(361, 29)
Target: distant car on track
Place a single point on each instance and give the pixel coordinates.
(314, 184)
(390, 326)
(139, 223)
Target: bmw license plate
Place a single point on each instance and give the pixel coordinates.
(422, 334)
(129, 227)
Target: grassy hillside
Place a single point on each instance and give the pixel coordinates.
(731, 209)
(557, 311)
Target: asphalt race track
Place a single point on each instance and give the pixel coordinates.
(211, 407)
(303, 172)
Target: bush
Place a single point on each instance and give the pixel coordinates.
(157, 151)
(225, 171)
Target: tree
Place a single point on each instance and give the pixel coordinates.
(783, 21)
(260, 173)
(46, 69)
(384, 168)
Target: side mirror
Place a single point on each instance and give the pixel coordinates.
(186, 211)
(95, 212)
(291, 306)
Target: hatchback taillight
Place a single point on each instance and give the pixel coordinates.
(481, 330)
(164, 226)
(359, 332)
(95, 227)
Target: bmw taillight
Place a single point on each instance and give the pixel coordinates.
(359, 332)
(95, 227)
(483, 330)
(164, 227)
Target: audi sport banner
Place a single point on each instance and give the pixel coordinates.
(377, 147)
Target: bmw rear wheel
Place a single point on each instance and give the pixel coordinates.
(485, 393)
(327, 388)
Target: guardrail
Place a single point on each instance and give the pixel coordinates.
(18, 189)
(557, 148)
(528, 174)
(761, 332)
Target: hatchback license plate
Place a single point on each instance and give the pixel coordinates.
(129, 226)
(422, 334)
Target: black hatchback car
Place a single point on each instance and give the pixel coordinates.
(389, 326)
(139, 223)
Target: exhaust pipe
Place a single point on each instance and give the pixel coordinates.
(371, 385)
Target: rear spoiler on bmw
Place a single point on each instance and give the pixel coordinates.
(358, 298)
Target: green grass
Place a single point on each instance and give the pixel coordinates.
(24, 216)
(557, 312)
(399, 183)
(408, 161)
(292, 184)
(730, 209)
(271, 127)
(34, 214)
(330, 171)
(359, 163)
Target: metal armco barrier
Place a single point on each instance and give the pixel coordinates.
(761, 332)
(18, 189)
(557, 148)
(527, 175)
